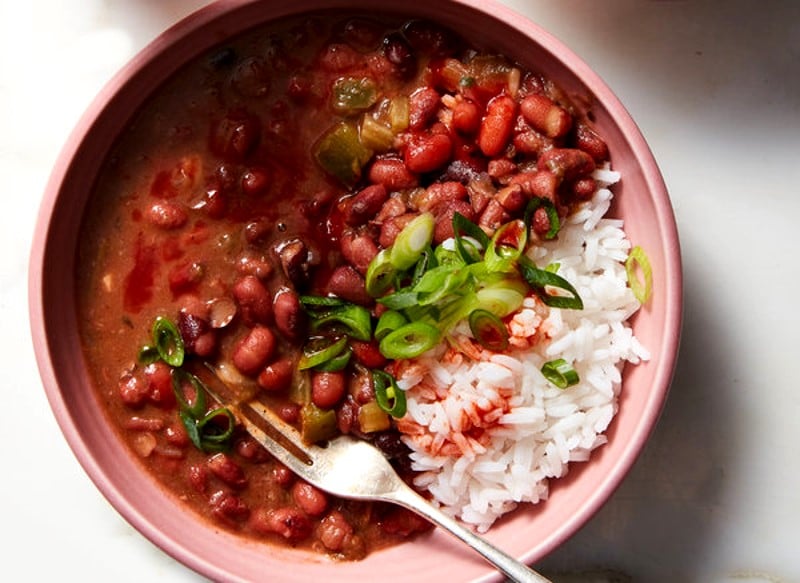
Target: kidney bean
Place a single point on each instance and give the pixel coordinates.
(402, 522)
(159, 378)
(290, 319)
(348, 284)
(289, 522)
(133, 391)
(277, 376)
(422, 107)
(399, 53)
(443, 213)
(175, 434)
(392, 173)
(281, 475)
(185, 277)
(501, 168)
(427, 152)
(540, 222)
(333, 531)
(327, 388)
(252, 352)
(566, 163)
(253, 298)
(392, 227)
(338, 57)
(166, 215)
(530, 142)
(546, 115)
(254, 264)
(512, 198)
(464, 171)
(497, 124)
(235, 136)
(197, 477)
(584, 188)
(438, 193)
(368, 354)
(257, 231)
(358, 249)
(466, 117)
(294, 258)
(251, 450)
(255, 181)
(393, 207)
(309, 499)
(541, 183)
(151, 424)
(492, 217)
(589, 141)
(213, 202)
(364, 205)
(192, 329)
(228, 507)
(361, 388)
(227, 470)
(181, 180)
(347, 415)
(289, 412)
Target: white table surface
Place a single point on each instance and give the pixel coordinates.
(715, 88)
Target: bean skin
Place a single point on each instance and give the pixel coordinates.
(391, 228)
(427, 152)
(167, 215)
(228, 507)
(289, 316)
(392, 173)
(364, 205)
(327, 389)
(566, 163)
(443, 213)
(277, 376)
(546, 115)
(254, 350)
(309, 499)
(466, 117)
(253, 298)
(159, 379)
(347, 283)
(422, 107)
(227, 470)
(497, 125)
(358, 249)
(589, 141)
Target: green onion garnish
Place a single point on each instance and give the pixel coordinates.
(389, 321)
(380, 274)
(168, 341)
(390, 398)
(409, 341)
(541, 279)
(194, 406)
(353, 320)
(321, 350)
(410, 243)
(552, 214)
(488, 330)
(637, 257)
(466, 249)
(560, 373)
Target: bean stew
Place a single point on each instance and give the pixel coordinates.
(244, 223)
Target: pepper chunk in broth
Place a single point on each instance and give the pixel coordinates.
(248, 220)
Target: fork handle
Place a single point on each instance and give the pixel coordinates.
(511, 567)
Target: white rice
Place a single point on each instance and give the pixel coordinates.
(488, 431)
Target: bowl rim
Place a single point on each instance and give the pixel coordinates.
(208, 16)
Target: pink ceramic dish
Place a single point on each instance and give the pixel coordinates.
(529, 533)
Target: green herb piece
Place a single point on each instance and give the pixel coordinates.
(642, 290)
(488, 330)
(168, 342)
(409, 341)
(321, 350)
(560, 373)
(390, 398)
(540, 280)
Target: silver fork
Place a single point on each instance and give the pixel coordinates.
(352, 468)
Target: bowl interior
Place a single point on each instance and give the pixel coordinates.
(641, 199)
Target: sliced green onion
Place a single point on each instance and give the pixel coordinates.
(553, 267)
(168, 342)
(409, 244)
(388, 322)
(501, 298)
(380, 274)
(552, 215)
(320, 351)
(400, 300)
(336, 363)
(466, 249)
(540, 280)
(320, 302)
(440, 282)
(505, 247)
(426, 262)
(353, 320)
(409, 341)
(148, 354)
(560, 373)
(209, 435)
(196, 407)
(637, 257)
(447, 257)
(488, 330)
(390, 397)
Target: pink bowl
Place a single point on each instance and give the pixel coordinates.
(530, 533)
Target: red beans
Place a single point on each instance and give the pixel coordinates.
(133, 391)
(358, 249)
(255, 181)
(227, 470)
(254, 350)
(466, 117)
(185, 277)
(443, 213)
(288, 522)
(546, 116)
(566, 163)
(235, 136)
(590, 142)
(497, 125)
(334, 531)
(290, 319)
(439, 192)
(367, 354)
(364, 205)
(228, 507)
(348, 284)
(392, 173)
(167, 215)
(255, 303)
(309, 499)
(159, 380)
(422, 107)
(327, 389)
(428, 152)
(277, 376)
